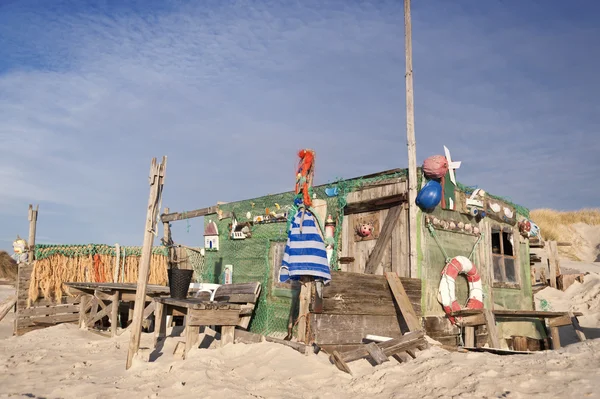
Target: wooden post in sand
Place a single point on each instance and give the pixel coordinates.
(411, 143)
(33, 213)
(157, 176)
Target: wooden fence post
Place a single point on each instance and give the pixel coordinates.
(33, 213)
(157, 176)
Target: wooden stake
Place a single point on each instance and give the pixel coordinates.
(412, 147)
(157, 176)
(33, 213)
(168, 240)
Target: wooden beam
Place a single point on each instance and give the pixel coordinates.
(408, 312)
(554, 249)
(6, 305)
(375, 204)
(157, 176)
(171, 217)
(32, 216)
(411, 142)
(491, 327)
(551, 265)
(391, 220)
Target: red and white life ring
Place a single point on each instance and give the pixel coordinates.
(446, 291)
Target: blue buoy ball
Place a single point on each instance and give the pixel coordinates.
(429, 196)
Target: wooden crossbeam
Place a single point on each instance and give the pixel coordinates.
(171, 217)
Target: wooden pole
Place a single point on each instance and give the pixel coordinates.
(412, 147)
(168, 240)
(33, 213)
(157, 176)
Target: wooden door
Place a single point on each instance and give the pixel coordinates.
(395, 252)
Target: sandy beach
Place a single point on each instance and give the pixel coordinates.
(66, 362)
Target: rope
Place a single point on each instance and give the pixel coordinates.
(435, 237)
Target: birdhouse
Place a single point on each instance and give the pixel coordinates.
(211, 236)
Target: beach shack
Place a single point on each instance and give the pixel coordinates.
(364, 221)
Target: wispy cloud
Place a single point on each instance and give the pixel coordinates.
(231, 90)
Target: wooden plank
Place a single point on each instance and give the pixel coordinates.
(554, 249)
(157, 174)
(385, 236)
(98, 316)
(83, 308)
(171, 217)
(514, 313)
(376, 353)
(46, 320)
(491, 327)
(160, 324)
(552, 266)
(474, 320)
(114, 314)
(49, 310)
(375, 204)
(412, 321)
(390, 347)
(304, 309)
(7, 305)
(555, 335)
(564, 320)
(227, 335)
(32, 216)
(470, 336)
(331, 329)
(375, 306)
(578, 329)
(213, 317)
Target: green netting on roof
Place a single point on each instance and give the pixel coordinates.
(43, 251)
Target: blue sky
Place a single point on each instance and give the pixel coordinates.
(230, 90)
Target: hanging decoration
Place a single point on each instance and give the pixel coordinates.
(20, 254)
(366, 226)
(429, 196)
(304, 175)
(435, 167)
(211, 236)
(305, 253)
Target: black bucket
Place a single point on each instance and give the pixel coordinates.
(179, 282)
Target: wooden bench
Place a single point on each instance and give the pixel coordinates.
(232, 307)
(470, 318)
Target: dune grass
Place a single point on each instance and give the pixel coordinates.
(551, 222)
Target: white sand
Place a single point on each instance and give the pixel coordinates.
(65, 362)
(6, 324)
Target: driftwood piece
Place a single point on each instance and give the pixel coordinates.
(408, 342)
(408, 312)
(6, 305)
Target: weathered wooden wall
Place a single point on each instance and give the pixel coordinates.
(377, 201)
(355, 305)
(42, 313)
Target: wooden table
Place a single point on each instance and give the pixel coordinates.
(470, 318)
(198, 313)
(103, 299)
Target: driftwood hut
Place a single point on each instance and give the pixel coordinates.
(252, 236)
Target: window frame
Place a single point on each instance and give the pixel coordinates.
(503, 282)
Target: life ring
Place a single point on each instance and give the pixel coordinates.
(447, 293)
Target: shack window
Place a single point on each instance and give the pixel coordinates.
(503, 256)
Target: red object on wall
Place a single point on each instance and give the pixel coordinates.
(435, 167)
